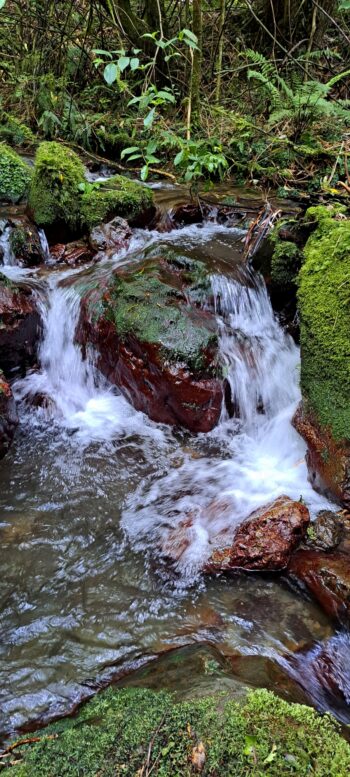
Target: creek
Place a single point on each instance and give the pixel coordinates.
(92, 491)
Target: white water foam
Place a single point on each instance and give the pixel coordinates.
(259, 455)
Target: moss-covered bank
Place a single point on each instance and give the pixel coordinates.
(15, 175)
(60, 195)
(324, 301)
(133, 732)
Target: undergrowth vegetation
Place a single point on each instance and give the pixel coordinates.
(137, 732)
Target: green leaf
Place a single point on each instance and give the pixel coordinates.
(134, 63)
(110, 73)
(152, 160)
(134, 100)
(127, 151)
(148, 121)
(123, 63)
(2, 3)
(97, 51)
(134, 156)
(144, 173)
(82, 185)
(179, 158)
(271, 756)
(189, 34)
(166, 96)
(344, 5)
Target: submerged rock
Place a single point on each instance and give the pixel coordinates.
(155, 342)
(326, 576)
(116, 234)
(71, 253)
(19, 327)
(15, 175)
(266, 540)
(8, 416)
(324, 301)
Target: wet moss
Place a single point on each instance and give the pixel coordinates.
(285, 264)
(15, 175)
(119, 732)
(152, 304)
(54, 194)
(324, 301)
(118, 196)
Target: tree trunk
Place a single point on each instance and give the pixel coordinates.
(197, 28)
(220, 50)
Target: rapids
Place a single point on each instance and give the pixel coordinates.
(92, 490)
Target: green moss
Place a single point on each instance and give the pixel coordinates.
(119, 196)
(151, 304)
(15, 175)
(14, 132)
(18, 240)
(285, 264)
(324, 300)
(54, 192)
(119, 732)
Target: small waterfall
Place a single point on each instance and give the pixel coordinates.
(256, 353)
(6, 252)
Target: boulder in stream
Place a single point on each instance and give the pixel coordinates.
(324, 301)
(25, 245)
(265, 541)
(71, 253)
(20, 327)
(156, 342)
(8, 416)
(116, 234)
(326, 576)
(54, 195)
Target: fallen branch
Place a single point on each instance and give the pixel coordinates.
(102, 160)
(28, 741)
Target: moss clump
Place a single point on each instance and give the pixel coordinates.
(152, 304)
(15, 175)
(119, 196)
(285, 264)
(54, 195)
(117, 732)
(14, 132)
(324, 300)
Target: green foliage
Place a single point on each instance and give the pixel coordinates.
(296, 101)
(116, 732)
(15, 175)
(14, 132)
(118, 196)
(324, 299)
(285, 262)
(54, 194)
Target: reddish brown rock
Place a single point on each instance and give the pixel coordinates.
(8, 416)
(20, 327)
(156, 343)
(328, 461)
(71, 253)
(266, 540)
(326, 576)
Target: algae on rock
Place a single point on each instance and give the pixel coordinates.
(54, 195)
(15, 175)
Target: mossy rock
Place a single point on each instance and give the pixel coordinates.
(54, 196)
(15, 175)
(118, 196)
(285, 264)
(13, 131)
(151, 303)
(324, 301)
(120, 731)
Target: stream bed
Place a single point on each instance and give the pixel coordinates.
(92, 491)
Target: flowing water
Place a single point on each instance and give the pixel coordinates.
(92, 492)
